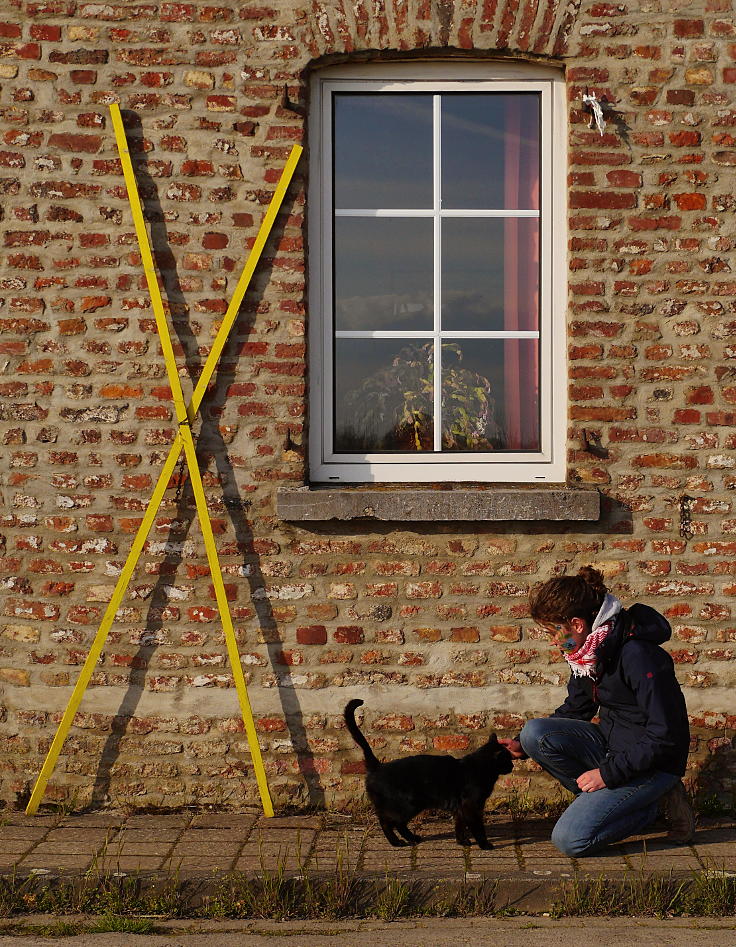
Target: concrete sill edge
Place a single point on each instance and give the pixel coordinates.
(320, 504)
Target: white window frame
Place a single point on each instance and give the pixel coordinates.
(547, 465)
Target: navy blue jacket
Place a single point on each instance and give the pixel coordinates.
(641, 707)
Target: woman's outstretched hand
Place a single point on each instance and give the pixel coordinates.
(514, 748)
(590, 781)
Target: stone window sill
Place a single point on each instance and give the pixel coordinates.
(557, 502)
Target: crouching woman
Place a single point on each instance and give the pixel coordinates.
(623, 769)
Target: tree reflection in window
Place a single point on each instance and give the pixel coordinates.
(392, 408)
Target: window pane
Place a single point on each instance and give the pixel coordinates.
(383, 150)
(383, 395)
(490, 395)
(383, 273)
(490, 274)
(490, 151)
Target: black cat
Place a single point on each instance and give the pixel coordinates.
(401, 789)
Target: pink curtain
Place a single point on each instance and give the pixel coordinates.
(521, 278)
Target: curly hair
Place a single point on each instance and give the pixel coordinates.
(568, 596)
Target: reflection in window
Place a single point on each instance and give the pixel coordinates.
(382, 150)
(436, 250)
(490, 151)
(383, 273)
(489, 273)
(490, 399)
(383, 396)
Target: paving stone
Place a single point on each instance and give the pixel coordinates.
(69, 847)
(8, 832)
(253, 864)
(525, 865)
(77, 835)
(53, 862)
(42, 821)
(220, 850)
(489, 865)
(290, 822)
(161, 848)
(131, 863)
(16, 846)
(92, 820)
(193, 864)
(235, 821)
(151, 823)
(198, 837)
(8, 862)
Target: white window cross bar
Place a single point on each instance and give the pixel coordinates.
(424, 212)
(441, 334)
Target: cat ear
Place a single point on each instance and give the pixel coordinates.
(493, 738)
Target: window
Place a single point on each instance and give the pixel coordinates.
(437, 273)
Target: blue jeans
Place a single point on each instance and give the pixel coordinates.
(565, 748)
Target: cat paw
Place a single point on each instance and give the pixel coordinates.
(485, 845)
(465, 842)
(399, 843)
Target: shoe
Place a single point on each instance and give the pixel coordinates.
(678, 815)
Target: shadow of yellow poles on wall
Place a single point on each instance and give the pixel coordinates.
(185, 414)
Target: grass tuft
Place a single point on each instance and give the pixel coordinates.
(467, 900)
(703, 894)
(395, 899)
(114, 923)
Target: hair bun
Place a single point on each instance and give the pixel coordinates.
(594, 578)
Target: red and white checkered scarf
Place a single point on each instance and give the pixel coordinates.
(584, 661)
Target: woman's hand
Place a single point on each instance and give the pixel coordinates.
(590, 781)
(514, 748)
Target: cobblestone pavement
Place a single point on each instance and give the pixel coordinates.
(205, 844)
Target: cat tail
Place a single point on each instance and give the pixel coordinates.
(371, 761)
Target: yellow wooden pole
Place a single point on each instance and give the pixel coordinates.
(190, 412)
(190, 451)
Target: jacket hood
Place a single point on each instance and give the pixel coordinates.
(639, 621)
(647, 624)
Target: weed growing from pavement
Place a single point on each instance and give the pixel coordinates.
(467, 900)
(710, 893)
(55, 929)
(276, 895)
(99, 894)
(713, 806)
(114, 923)
(394, 900)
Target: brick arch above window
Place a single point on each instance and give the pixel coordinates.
(538, 27)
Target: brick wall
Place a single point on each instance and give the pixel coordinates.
(428, 624)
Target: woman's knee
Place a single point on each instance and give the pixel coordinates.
(570, 842)
(532, 733)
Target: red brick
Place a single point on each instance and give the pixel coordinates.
(606, 200)
(688, 28)
(312, 634)
(680, 97)
(702, 394)
(624, 178)
(71, 141)
(348, 634)
(449, 742)
(654, 223)
(684, 139)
